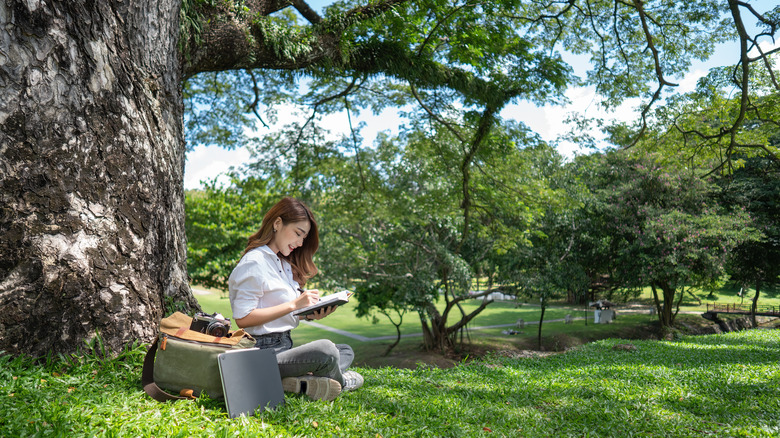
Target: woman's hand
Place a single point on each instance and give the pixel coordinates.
(307, 298)
(322, 313)
(263, 315)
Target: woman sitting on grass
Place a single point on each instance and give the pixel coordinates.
(265, 288)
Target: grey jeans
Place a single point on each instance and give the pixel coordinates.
(320, 358)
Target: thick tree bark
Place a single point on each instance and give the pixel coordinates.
(91, 172)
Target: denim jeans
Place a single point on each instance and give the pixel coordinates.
(320, 358)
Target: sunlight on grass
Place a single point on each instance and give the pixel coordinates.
(497, 313)
(501, 314)
(719, 385)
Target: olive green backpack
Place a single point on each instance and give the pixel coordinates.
(185, 361)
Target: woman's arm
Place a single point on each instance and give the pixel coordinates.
(264, 315)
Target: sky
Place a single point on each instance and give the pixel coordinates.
(207, 163)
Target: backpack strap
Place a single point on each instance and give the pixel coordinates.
(147, 379)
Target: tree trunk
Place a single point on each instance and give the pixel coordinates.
(754, 304)
(397, 331)
(539, 333)
(91, 173)
(665, 315)
(435, 334)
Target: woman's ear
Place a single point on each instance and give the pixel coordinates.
(278, 224)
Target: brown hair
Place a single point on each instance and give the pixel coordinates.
(301, 260)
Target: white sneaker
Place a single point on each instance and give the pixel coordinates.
(352, 380)
(317, 388)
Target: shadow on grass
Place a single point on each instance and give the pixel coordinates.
(661, 389)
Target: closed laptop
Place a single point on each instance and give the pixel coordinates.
(250, 381)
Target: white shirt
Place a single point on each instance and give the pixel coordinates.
(262, 279)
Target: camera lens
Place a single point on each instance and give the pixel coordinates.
(216, 329)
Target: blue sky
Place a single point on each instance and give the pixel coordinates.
(206, 163)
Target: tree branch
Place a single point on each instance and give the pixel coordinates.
(256, 91)
(744, 81)
(466, 319)
(438, 24)
(433, 115)
(483, 129)
(640, 8)
(230, 39)
(307, 12)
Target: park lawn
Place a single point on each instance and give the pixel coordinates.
(715, 385)
(556, 336)
(497, 313)
(726, 294)
(559, 336)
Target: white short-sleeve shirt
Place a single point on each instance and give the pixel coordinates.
(262, 279)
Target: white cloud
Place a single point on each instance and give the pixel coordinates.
(688, 83)
(549, 121)
(208, 162)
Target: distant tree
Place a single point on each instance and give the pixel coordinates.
(547, 266)
(583, 229)
(541, 276)
(666, 228)
(393, 298)
(219, 220)
(401, 239)
(755, 187)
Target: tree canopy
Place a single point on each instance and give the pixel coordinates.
(459, 191)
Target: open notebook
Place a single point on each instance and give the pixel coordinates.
(250, 380)
(335, 299)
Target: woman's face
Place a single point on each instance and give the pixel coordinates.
(288, 236)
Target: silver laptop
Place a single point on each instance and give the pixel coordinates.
(250, 381)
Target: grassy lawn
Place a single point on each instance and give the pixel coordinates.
(716, 385)
(556, 336)
(726, 294)
(507, 312)
(497, 313)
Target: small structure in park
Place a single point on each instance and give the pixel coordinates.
(603, 314)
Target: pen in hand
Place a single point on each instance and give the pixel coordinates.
(309, 316)
(303, 291)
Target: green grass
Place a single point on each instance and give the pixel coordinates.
(716, 385)
(726, 294)
(556, 336)
(497, 313)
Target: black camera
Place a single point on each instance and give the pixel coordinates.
(213, 325)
